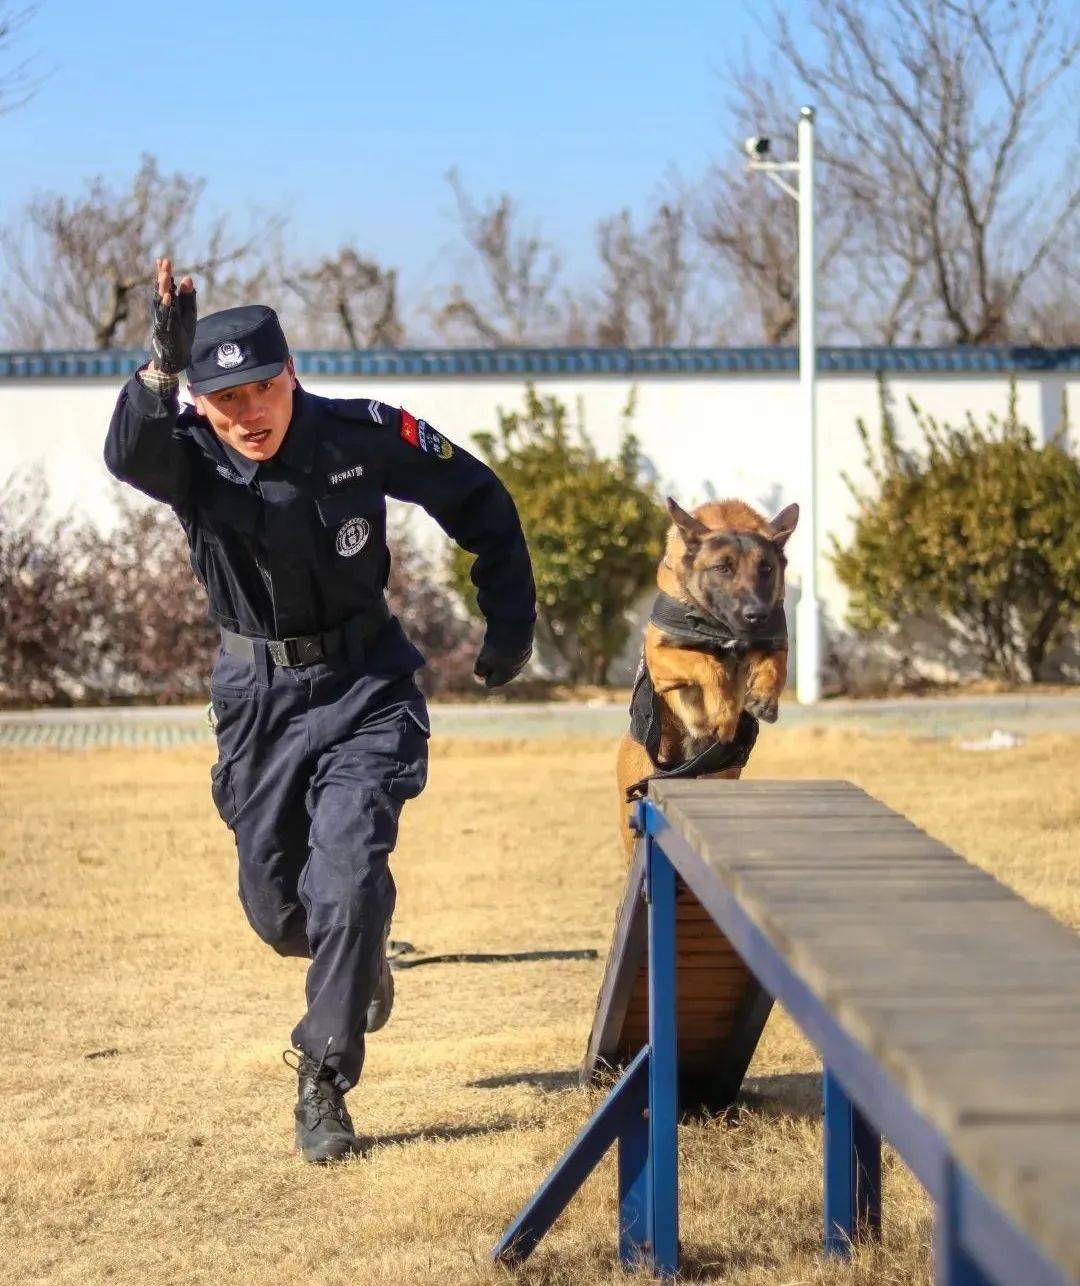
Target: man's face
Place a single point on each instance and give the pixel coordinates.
(252, 418)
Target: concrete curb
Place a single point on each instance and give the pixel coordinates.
(158, 727)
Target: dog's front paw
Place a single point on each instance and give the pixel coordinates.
(764, 708)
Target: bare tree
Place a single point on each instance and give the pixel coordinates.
(1048, 313)
(17, 85)
(647, 278)
(347, 299)
(752, 228)
(934, 108)
(512, 299)
(78, 265)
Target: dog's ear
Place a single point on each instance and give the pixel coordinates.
(784, 524)
(693, 529)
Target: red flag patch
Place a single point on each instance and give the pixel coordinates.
(409, 430)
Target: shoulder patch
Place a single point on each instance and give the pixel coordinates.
(432, 441)
(363, 409)
(420, 434)
(410, 429)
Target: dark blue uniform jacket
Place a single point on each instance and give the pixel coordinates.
(297, 544)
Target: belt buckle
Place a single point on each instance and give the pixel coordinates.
(303, 649)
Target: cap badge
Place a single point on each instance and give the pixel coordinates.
(229, 355)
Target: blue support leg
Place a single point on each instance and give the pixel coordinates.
(663, 1073)
(953, 1266)
(634, 1190)
(618, 1115)
(852, 1172)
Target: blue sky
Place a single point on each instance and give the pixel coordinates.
(347, 116)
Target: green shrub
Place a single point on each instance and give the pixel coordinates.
(979, 530)
(595, 530)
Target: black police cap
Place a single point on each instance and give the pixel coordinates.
(236, 346)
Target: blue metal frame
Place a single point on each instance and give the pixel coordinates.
(953, 1265)
(621, 1117)
(640, 1114)
(635, 1215)
(663, 1067)
(976, 1244)
(852, 1171)
(976, 1221)
(976, 1232)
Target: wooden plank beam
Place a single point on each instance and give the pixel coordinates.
(955, 992)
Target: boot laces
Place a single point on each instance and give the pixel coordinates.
(329, 1102)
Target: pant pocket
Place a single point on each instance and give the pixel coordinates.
(420, 718)
(221, 788)
(410, 777)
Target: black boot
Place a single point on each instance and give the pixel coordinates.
(324, 1129)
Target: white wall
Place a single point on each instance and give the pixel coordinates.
(728, 435)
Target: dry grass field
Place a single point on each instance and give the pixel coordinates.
(146, 1129)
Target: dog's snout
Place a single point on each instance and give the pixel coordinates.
(755, 616)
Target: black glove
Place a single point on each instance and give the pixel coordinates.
(494, 668)
(173, 330)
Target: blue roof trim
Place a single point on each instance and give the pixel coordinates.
(59, 364)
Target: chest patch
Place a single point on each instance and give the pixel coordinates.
(230, 475)
(345, 476)
(352, 536)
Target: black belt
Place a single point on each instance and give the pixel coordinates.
(307, 649)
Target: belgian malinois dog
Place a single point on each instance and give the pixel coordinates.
(723, 566)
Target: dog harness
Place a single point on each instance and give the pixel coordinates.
(692, 629)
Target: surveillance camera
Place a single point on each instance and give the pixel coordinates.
(756, 147)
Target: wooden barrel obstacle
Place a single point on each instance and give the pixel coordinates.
(945, 1009)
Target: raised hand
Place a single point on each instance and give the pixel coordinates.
(173, 321)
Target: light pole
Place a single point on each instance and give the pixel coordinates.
(808, 612)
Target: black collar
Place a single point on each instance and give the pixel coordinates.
(244, 467)
(298, 449)
(689, 626)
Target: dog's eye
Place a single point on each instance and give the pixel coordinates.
(764, 569)
(725, 569)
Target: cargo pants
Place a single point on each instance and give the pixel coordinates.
(314, 765)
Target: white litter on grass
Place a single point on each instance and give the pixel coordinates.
(999, 739)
